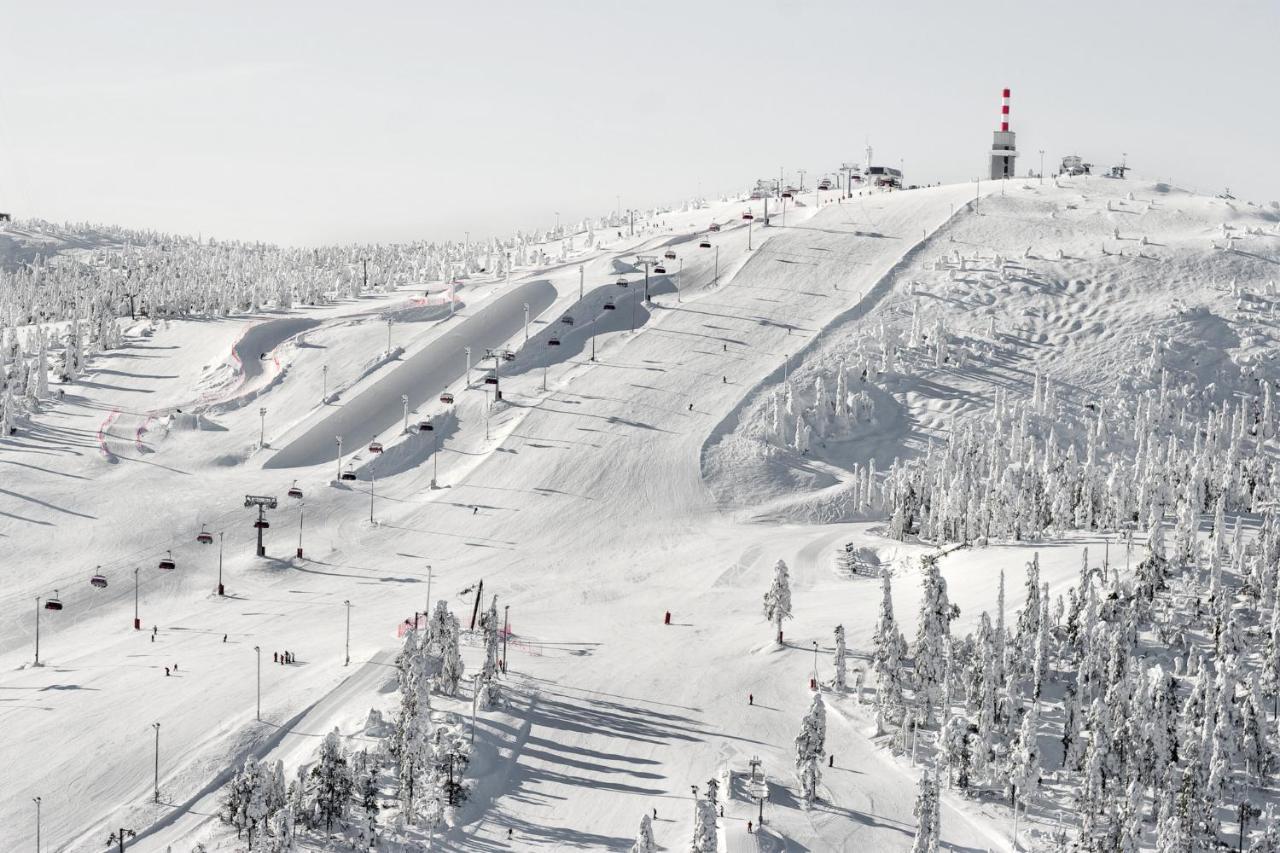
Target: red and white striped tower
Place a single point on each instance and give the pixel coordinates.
(1004, 150)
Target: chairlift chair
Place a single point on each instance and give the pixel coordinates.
(609, 306)
(670, 255)
(567, 320)
(425, 426)
(348, 474)
(748, 215)
(715, 226)
(54, 603)
(553, 342)
(167, 564)
(262, 524)
(786, 194)
(491, 378)
(100, 581)
(375, 447)
(204, 537)
(704, 244)
(508, 355)
(294, 492)
(622, 282)
(659, 270)
(446, 398)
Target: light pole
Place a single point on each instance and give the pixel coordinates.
(1042, 166)
(324, 384)
(338, 439)
(582, 274)
(428, 591)
(526, 322)
(37, 663)
(373, 478)
(137, 623)
(258, 650)
(680, 279)
(404, 399)
(262, 429)
(36, 800)
(435, 459)
(815, 663)
(467, 352)
(347, 660)
(475, 696)
(557, 223)
(221, 590)
(156, 726)
(389, 322)
(506, 630)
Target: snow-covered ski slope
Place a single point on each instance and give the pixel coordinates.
(632, 486)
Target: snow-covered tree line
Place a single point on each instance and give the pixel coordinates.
(419, 764)
(1140, 457)
(827, 407)
(1156, 691)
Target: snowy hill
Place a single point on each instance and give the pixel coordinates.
(1025, 360)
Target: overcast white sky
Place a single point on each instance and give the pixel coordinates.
(317, 121)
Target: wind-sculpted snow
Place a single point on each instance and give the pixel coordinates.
(422, 376)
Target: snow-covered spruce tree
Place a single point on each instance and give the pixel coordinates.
(1024, 760)
(332, 782)
(446, 633)
(887, 661)
(490, 692)
(704, 827)
(810, 750)
(838, 682)
(777, 601)
(933, 636)
(928, 815)
(644, 838)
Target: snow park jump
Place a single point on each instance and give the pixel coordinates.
(578, 479)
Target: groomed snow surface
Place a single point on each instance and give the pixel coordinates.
(646, 481)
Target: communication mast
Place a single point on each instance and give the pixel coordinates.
(1003, 148)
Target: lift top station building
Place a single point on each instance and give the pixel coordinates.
(1004, 150)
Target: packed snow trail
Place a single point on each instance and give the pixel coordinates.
(422, 376)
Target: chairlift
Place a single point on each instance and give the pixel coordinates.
(622, 282)
(204, 537)
(262, 524)
(446, 398)
(704, 244)
(567, 320)
(715, 226)
(425, 426)
(54, 603)
(786, 194)
(748, 215)
(348, 474)
(670, 255)
(491, 378)
(508, 355)
(375, 447)
(609, 306)
(167, 564)
(100, 581)
(553, 342)
(294, 492)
